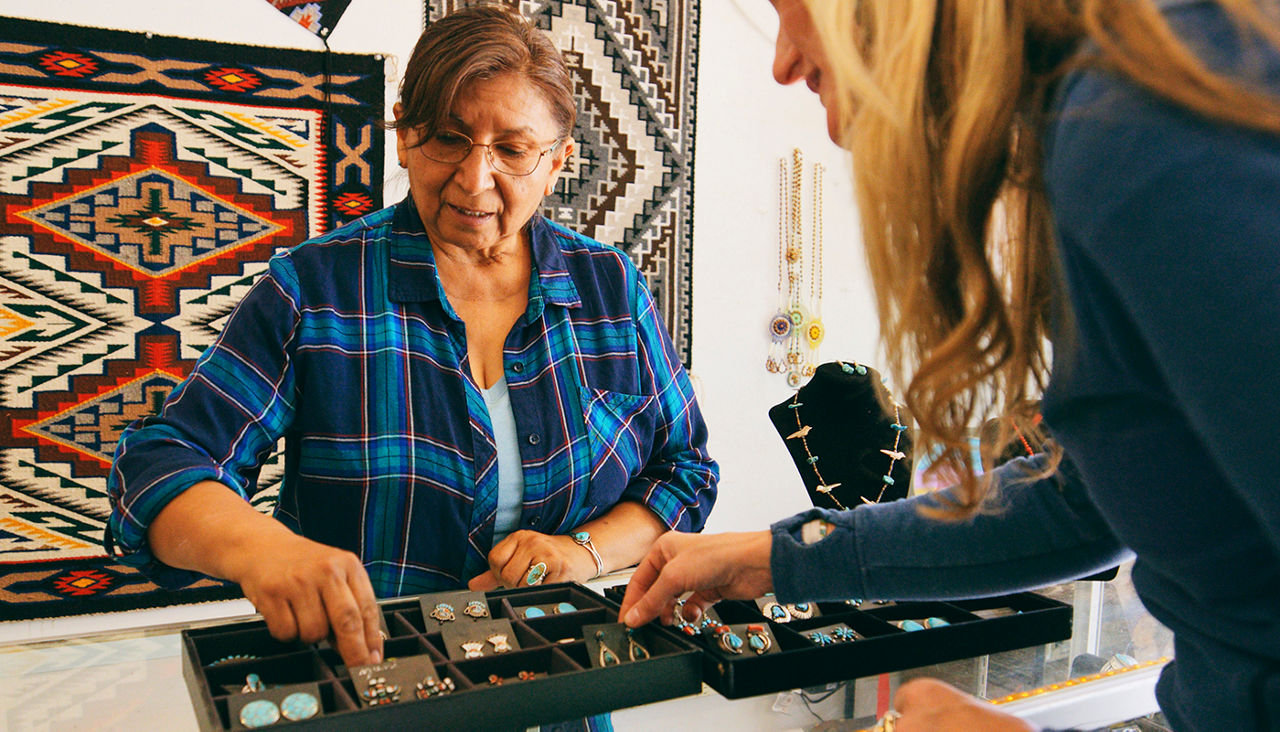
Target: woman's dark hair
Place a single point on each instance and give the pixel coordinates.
(480, 42)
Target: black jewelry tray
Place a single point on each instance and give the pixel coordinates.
(976, 628)
(567, 684)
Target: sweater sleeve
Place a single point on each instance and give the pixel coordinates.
(1180, 217)
(1032, 533)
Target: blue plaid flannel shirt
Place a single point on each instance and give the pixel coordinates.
(346, 349)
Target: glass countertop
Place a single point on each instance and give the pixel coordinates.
(132, 679)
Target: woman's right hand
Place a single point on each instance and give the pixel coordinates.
(713, 566)
(311, 591)
(304, 590)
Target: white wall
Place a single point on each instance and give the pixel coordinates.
(745, 122)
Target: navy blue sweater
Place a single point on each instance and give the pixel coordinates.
(1162, 394)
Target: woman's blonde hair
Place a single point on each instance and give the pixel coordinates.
(942, 108)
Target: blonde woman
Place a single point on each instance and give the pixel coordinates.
(1103, 177)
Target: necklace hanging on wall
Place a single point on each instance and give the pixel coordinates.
(796, 330)
(780, 324)
(795, 273)
(814, 330)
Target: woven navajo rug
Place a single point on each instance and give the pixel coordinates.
(144, 181)
(630, 184)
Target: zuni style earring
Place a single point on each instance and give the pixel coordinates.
(476, 609)
(758, 640)
(635, 651)
(473, 649)
(499, 642)
(801, 610)
(777, 613)
(443, 612)
(729, 640)
(606, 656)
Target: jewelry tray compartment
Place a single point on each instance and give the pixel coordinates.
(548, 676)
(973, 628)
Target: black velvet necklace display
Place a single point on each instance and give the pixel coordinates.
(848, 446)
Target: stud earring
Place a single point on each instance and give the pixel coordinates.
(260, 713)
(499, 642)
(298, 706)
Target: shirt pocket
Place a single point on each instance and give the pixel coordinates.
(620, 433)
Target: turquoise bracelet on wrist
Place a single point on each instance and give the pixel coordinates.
(583, 539)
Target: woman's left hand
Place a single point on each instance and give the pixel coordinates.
(511, 558)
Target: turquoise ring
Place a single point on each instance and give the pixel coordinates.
(536, 574)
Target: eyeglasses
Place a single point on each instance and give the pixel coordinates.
(511, 157)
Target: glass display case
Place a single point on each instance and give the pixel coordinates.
(1106, 672)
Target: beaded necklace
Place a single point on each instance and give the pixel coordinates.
(893, 453)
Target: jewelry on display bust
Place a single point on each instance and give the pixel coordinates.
(260, 713)
(635, 651)
(758, 640)
(536, 574)
(476, 609)
(499, 642)
(893, 453)
(443, 612)
(473, 649)
(252, 684)
(606, 657)
(299, 705)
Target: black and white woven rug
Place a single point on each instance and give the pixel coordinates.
(634, 65)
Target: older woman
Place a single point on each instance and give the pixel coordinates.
(469, 394)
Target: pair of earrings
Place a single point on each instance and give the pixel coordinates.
(635, 651)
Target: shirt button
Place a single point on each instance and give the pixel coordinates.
(517, 367)
(534, 439)
(533, 521)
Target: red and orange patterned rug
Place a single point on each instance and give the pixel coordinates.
(146, 180)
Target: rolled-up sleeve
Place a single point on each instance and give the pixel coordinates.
(678, 482)
(220, 423)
